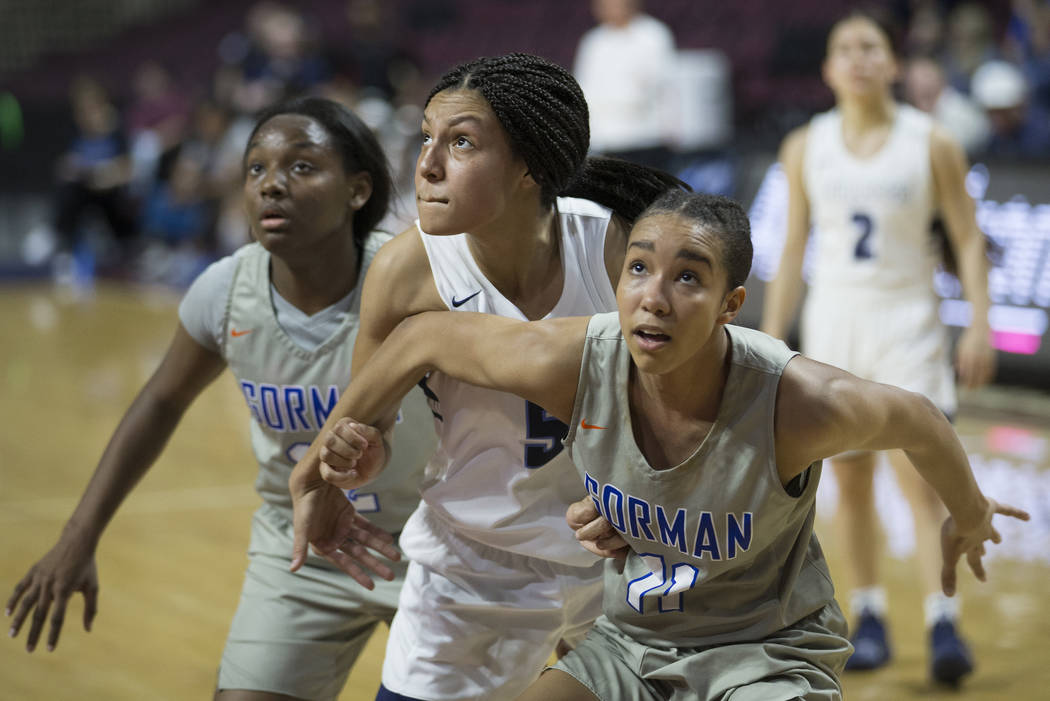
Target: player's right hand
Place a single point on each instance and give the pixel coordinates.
(352, 454)
(324, 519)
(66, 569)
(594, 532)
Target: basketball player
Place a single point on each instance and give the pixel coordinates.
(870, 175)
(282, 314)
(701, 443)
(513, 221)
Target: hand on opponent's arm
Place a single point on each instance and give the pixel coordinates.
(484, 350)
(594, 532)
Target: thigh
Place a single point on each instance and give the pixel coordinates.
(482, 633)
(803, 660)
(298, 633)
(608, 665)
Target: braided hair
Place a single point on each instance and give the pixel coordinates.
(542, 108)
(720, 216)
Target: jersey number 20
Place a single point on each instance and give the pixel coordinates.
(666, 587)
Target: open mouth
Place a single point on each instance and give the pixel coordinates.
(650, 339)
(272, 219)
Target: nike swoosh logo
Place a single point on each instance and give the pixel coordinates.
(235, 333)
(461, 302)
(584, 424)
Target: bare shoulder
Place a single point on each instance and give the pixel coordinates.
(946, 154)
(812, 402)
(401, 275)
(793, 146)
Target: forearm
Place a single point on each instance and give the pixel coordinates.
(973, 274)
(375, 390)
(782, 295)
(132, 450)
(934, 449)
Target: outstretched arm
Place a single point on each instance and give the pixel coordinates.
(974, 355)
(822, 411)
(147, 425)
(539, 361)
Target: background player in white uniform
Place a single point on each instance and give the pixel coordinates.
(512, 221)
(282, 314)
(701, 443)
(870, 174)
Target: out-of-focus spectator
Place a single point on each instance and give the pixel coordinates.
(925, 32)
(926, 88)
(156, 123)
(970, 42)
(274, 58)
(1028, 44)
(625, 66)
(177, 222)
(371, 57)
(93, 174)
(1020, 129)
(177, 211)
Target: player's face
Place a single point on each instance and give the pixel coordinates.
(672, 294)
(467, 175)
(296, 190)
(860, 62)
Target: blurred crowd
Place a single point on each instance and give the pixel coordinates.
(151, 189)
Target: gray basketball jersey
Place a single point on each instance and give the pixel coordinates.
(290, 392)
(720, 551)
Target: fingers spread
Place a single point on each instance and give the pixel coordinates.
(58, 617)
(973, 557)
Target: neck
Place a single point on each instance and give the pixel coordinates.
(521, 255)
(859, 114)
(320, 277)
(692, 391)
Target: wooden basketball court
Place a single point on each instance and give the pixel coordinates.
(171, 563)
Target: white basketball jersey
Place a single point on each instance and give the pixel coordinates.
(500, 475)
(871, 216)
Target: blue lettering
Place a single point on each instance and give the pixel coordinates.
(672, 534)
(323, 405)
(295, 405)
(268, 398)
(592, 489)
(248, 388)
(614, 516)
(738, 535)
(640, 517)
(706, 538)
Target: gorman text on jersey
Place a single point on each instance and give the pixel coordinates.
(637, 518)
(289, 407)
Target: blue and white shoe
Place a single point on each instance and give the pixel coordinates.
(950, 658)
(870, 648)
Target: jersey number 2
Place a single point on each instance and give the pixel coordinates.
(862, 251)
(667, 587)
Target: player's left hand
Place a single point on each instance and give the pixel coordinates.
(593, 531)
(956, 542)
(975, 358)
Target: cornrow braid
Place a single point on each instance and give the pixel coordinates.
(543, 110)
(719, 216)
